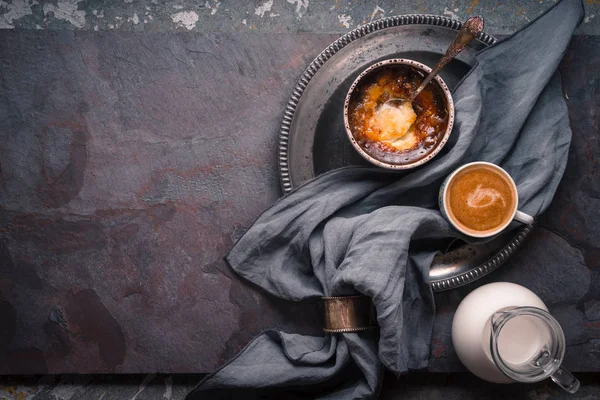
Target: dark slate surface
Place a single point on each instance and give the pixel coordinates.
(318, 16)
(413, 386)
(130, 163)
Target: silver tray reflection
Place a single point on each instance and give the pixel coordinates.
(312, 139)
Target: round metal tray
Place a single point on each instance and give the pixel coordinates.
(312, 139)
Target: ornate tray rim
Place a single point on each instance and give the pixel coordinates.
(290, 109)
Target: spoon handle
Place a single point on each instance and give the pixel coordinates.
(469, 30)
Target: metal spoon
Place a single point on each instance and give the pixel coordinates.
(470, 29)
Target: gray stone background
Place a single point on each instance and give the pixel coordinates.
(291, 16)
(332, 16)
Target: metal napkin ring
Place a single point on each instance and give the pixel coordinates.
(349, 314)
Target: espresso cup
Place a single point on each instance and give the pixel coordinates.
(480, 199)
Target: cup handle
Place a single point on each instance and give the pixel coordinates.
(524, 218)
(565, 380)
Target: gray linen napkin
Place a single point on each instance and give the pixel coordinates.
(350, 231)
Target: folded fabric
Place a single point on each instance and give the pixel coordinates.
(354, 230)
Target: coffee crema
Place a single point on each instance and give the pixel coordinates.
(481, 199)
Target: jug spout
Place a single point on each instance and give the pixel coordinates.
(499, 317)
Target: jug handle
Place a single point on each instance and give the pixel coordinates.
(565, 380)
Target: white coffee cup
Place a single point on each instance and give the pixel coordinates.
(516, 214)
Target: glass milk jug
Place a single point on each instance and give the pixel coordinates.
(502, 332)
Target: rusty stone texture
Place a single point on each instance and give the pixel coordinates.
(131, 162)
